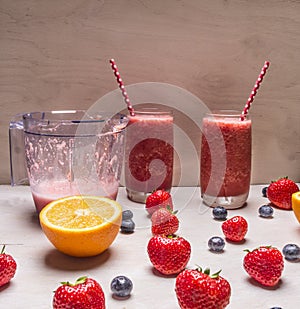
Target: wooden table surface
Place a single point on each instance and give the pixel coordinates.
(41, 267)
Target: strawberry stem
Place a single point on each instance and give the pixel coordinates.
(216, 275)
(171, 236)
(207, 272)
(78, 281)
(81, 280)
(3, 249)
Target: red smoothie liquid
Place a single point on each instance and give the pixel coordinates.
(232, 170)
(149, 152)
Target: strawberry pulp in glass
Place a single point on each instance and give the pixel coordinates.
(225, 159)
(148, 153)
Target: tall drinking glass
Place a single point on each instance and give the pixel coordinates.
(148, 153)
(225, 159)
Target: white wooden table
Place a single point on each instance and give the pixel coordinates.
(41, 267)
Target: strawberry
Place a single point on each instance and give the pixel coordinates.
(158, 199)
(264, 264)
(8, 267)
(280, 192)
(169, 254)
(198, 290)
(164, 221)
(86, 293)
(235, 228)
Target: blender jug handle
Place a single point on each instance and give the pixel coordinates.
(18, 172)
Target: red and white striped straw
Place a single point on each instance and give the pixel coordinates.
(254, 90)
(121, 86)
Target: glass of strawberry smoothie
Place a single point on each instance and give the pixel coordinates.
(148, 153)
(225, 159)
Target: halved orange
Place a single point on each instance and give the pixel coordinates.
(81, 226)
(296, 204)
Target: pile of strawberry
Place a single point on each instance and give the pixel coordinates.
(170, 253)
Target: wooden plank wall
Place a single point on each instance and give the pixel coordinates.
(54, 55)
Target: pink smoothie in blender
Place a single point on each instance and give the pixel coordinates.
(68, 153)
(148, 153)
(47, 192)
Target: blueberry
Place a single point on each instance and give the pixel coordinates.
(264, 191)
(216, 243)
(127, 214)
(266, 211)
(127, 226)
(291, 252)
(121, 286)
(220, 213)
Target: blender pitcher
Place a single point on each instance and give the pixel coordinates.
(63, 153)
